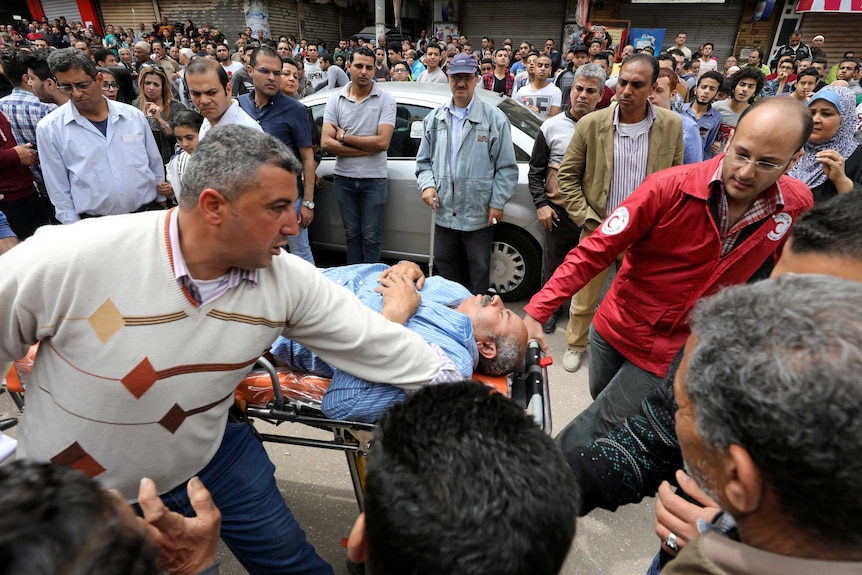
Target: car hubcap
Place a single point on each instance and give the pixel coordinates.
(507, 267)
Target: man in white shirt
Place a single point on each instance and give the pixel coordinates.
(313, 70)
(679, 44)
(98, 157)
(432, 72)
(223, 56)
(209, 88)
(540, 96)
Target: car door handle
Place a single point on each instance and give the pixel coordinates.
(329, 177)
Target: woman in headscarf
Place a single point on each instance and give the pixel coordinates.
(832, 160)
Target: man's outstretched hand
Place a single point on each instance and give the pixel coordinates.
(534, 331)
(186, 544)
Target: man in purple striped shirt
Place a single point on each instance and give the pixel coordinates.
(611, 153)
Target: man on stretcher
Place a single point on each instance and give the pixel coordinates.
(468, 332)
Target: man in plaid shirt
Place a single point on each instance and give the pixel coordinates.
(501, 79)
(24, 110)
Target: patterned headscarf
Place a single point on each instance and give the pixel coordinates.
(808, 169)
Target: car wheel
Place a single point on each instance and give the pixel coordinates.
(516, 264)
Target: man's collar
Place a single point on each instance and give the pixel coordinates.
(450, 105)
(650, 114)
(114, 112)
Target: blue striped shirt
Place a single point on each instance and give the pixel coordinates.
(448, 331)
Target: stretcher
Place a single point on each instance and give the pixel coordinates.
(280, 396)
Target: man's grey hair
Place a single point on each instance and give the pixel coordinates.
(144, 46)
(590, 70)
(227, 160)
(776, 370)
(187, 52)
(69, 59)
(510, 352)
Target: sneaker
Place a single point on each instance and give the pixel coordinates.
(550, 326)
(572, 359)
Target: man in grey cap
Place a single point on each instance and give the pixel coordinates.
(467, 172)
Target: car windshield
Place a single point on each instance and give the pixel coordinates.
(521, 117)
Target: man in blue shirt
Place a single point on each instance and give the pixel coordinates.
(468, 332)
(287, 120)
(98, 156)
(701, 111)
(663, 92)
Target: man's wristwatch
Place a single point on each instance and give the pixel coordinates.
(308, 204)
(341, 139)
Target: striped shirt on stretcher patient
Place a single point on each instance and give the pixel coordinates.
(470, 332)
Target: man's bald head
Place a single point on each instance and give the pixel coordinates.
(780, 110)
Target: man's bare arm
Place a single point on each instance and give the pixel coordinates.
(7, 244)
(372, 144)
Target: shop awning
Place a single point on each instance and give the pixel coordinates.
(834, 6)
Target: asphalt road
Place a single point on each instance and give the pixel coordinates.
(317, 487)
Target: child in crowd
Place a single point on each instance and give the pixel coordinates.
(186, 125)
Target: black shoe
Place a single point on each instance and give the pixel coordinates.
(550, 326)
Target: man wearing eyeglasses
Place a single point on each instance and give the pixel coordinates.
(99, 157)
(687, 232)
(287, 120)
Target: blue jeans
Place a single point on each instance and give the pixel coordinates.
(362, 201)
(256, 523)
(298, 244)
(618, 387)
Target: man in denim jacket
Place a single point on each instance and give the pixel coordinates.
(466, 170)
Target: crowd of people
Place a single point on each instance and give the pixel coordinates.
(726, 197)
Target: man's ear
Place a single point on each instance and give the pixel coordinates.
(487, 348)
(211, 205)
(744, 486)
(793, 161)
(357, 543)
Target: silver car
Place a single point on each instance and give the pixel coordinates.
(516, 260)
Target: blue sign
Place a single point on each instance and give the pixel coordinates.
(647, 37)
(763, 9)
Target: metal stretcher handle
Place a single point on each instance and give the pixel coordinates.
(537, 388)
(278, 397)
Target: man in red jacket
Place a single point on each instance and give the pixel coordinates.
(687, 232)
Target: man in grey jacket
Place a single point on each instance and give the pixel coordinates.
(466, 170)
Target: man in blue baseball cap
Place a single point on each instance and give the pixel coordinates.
(467, 172)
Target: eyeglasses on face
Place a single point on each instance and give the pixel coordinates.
(760, 166)
(110, 86)
(80, 86)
